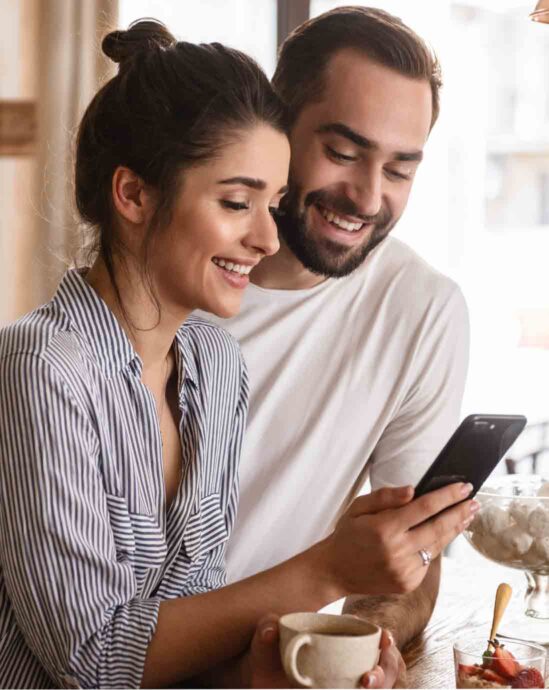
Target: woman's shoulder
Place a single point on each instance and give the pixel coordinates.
(44, 335)
(33, 333)
(213, 353)
(207, 334)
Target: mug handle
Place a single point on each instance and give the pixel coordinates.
(290, 659)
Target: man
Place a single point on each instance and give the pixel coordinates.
(357, 349)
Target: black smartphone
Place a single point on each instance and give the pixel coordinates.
(472, 452)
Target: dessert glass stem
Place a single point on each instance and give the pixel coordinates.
(537, 595)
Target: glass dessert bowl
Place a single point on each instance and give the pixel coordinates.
(512, 664)
(512, 528)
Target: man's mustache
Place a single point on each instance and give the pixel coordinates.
(346, 207)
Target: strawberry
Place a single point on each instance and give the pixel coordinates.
(493, 677)
(503, 663)
(528, 678)
(465, 670)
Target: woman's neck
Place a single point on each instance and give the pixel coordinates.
(150, 332)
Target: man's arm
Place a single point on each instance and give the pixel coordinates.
(404, 615)
(426, 419)
(373, 548)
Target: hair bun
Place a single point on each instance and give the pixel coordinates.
(141, 35)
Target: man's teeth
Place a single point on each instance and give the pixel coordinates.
(340, 222)
(230, 266)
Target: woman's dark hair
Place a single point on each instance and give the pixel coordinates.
(172, 105)
(301, 71)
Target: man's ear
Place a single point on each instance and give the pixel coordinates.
(130, 196)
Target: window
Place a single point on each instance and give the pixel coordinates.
(249, 25)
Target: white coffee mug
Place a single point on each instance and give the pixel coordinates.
(320, 650)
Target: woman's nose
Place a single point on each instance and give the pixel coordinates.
(263, 236)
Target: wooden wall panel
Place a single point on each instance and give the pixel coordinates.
(17, 128)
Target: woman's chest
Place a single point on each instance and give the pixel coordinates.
(165, 486)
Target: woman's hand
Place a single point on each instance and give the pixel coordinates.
(391, 670)
(265, 667)
(375, 546)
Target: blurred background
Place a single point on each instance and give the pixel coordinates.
(479, 211)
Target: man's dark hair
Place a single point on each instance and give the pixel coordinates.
(301, 71)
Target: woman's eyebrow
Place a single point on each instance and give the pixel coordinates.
(254, 183)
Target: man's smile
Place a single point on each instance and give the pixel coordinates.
(337, 228)
(343, 222)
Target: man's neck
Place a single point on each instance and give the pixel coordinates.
(283, 271)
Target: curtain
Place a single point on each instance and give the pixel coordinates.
(71, 69)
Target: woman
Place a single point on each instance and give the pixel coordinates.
(120, 429)
(121, 416)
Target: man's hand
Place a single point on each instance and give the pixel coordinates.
(265, 667)
(374, 548)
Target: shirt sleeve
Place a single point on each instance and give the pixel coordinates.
(431, 409)
(212, 573)
(74, 603)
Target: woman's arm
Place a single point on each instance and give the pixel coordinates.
(73, 600)
(196, 633)
(77, 605)
(373, 549)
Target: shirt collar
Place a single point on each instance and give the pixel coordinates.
(102, 332)
(187, 361)
(93, 319)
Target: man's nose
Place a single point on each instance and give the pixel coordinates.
(366, 192)
(263, 236)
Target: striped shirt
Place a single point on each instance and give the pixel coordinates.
(87, 551)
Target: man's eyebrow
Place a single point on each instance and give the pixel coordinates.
(365, 143)
(411, 156)
(247, 181)
(348, 133)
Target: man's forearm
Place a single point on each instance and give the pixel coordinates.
(404, 615)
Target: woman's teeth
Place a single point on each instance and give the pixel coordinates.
(340, 222)
(230, 266)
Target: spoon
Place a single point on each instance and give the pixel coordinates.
(503, 594)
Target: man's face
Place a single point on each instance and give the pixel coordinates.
(354, 157)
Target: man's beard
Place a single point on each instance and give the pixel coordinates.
(319, 254)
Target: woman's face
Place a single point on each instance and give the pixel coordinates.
(222, 225)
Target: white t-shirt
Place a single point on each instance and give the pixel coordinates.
(358, 376)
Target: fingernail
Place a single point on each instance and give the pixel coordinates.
(267, 633)
(369, 681)
(405, 490)
(475, 505)
(466, 489)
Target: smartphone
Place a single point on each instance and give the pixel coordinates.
(473, 451)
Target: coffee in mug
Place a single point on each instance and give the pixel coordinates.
(321, 650)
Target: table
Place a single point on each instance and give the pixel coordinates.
(464, 606)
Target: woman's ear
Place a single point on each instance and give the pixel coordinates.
(130, 196)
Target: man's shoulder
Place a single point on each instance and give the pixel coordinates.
(399, 260)
(399, 270)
